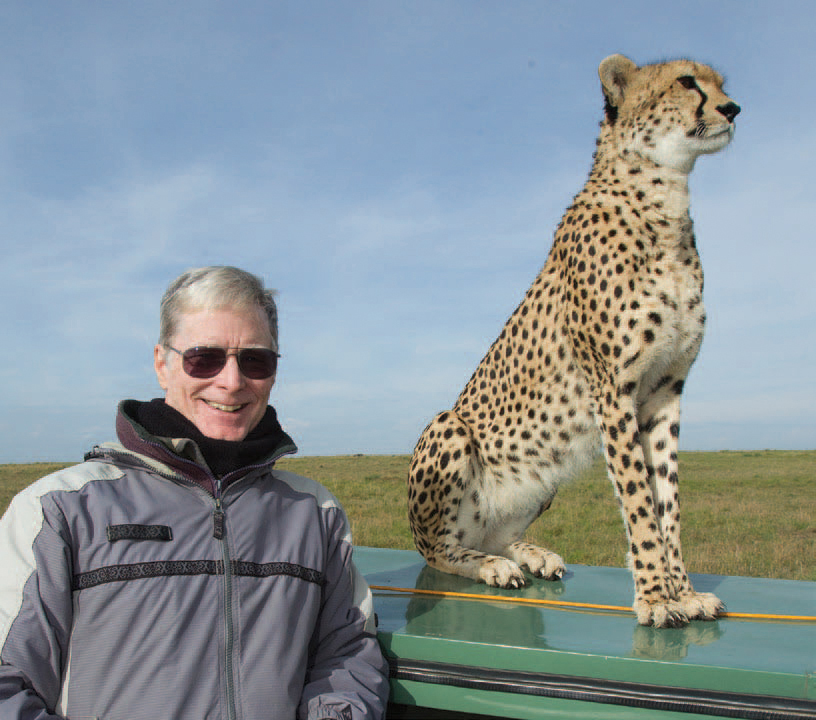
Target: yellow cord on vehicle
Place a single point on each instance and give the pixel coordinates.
(577, 605)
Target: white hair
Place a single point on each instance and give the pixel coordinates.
(215, 288)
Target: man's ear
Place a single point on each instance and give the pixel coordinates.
(160, 365)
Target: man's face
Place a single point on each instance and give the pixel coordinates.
(229, 405)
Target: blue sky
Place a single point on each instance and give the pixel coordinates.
(396, 171)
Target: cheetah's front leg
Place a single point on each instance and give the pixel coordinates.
(659, 422)
(626, 467)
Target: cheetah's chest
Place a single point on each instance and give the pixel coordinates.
(672, 297)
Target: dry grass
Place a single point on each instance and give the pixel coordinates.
(14, 478)
(371, 488)
(743, 513)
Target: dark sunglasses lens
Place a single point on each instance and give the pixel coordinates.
(204, 362)
(254, 363)
(257, 363)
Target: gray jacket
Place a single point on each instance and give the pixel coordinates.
(128, 591)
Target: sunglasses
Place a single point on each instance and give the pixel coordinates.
(207, 362)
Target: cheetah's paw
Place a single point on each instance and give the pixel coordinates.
(662, 614)
(702, 606)
(539, 561)
(501, 572)
(546, 565)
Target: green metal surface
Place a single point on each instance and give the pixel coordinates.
(754, 657)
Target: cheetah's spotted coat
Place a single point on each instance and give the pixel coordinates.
(601, 344)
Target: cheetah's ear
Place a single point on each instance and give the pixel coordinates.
(615, 72)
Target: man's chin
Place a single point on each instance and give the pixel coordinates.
(233, 426)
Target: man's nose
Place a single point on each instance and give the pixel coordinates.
(231, 374)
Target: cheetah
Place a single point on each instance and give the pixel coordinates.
(595, 356)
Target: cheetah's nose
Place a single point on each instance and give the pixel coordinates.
(729, 110)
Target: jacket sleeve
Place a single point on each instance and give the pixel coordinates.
(35, 607)
(347, 676)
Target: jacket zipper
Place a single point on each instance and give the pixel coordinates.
(220, 534)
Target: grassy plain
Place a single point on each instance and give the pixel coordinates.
(743, 513)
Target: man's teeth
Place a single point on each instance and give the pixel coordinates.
(224, 408)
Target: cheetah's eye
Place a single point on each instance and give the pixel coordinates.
(687, 81)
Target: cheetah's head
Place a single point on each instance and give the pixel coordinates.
(670, 113)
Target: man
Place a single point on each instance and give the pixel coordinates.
(177, 573)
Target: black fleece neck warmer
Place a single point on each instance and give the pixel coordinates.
(221, 456)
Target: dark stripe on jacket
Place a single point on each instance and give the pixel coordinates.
(168, 568)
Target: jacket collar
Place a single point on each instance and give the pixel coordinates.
(157, 431)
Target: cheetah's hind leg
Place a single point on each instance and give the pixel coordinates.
(443, 502)
(502, 570)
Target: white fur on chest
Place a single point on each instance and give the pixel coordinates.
(676, 298)
(504, 504)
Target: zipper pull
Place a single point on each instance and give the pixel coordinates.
(219, 526)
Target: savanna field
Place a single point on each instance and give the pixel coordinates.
(742, 513)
